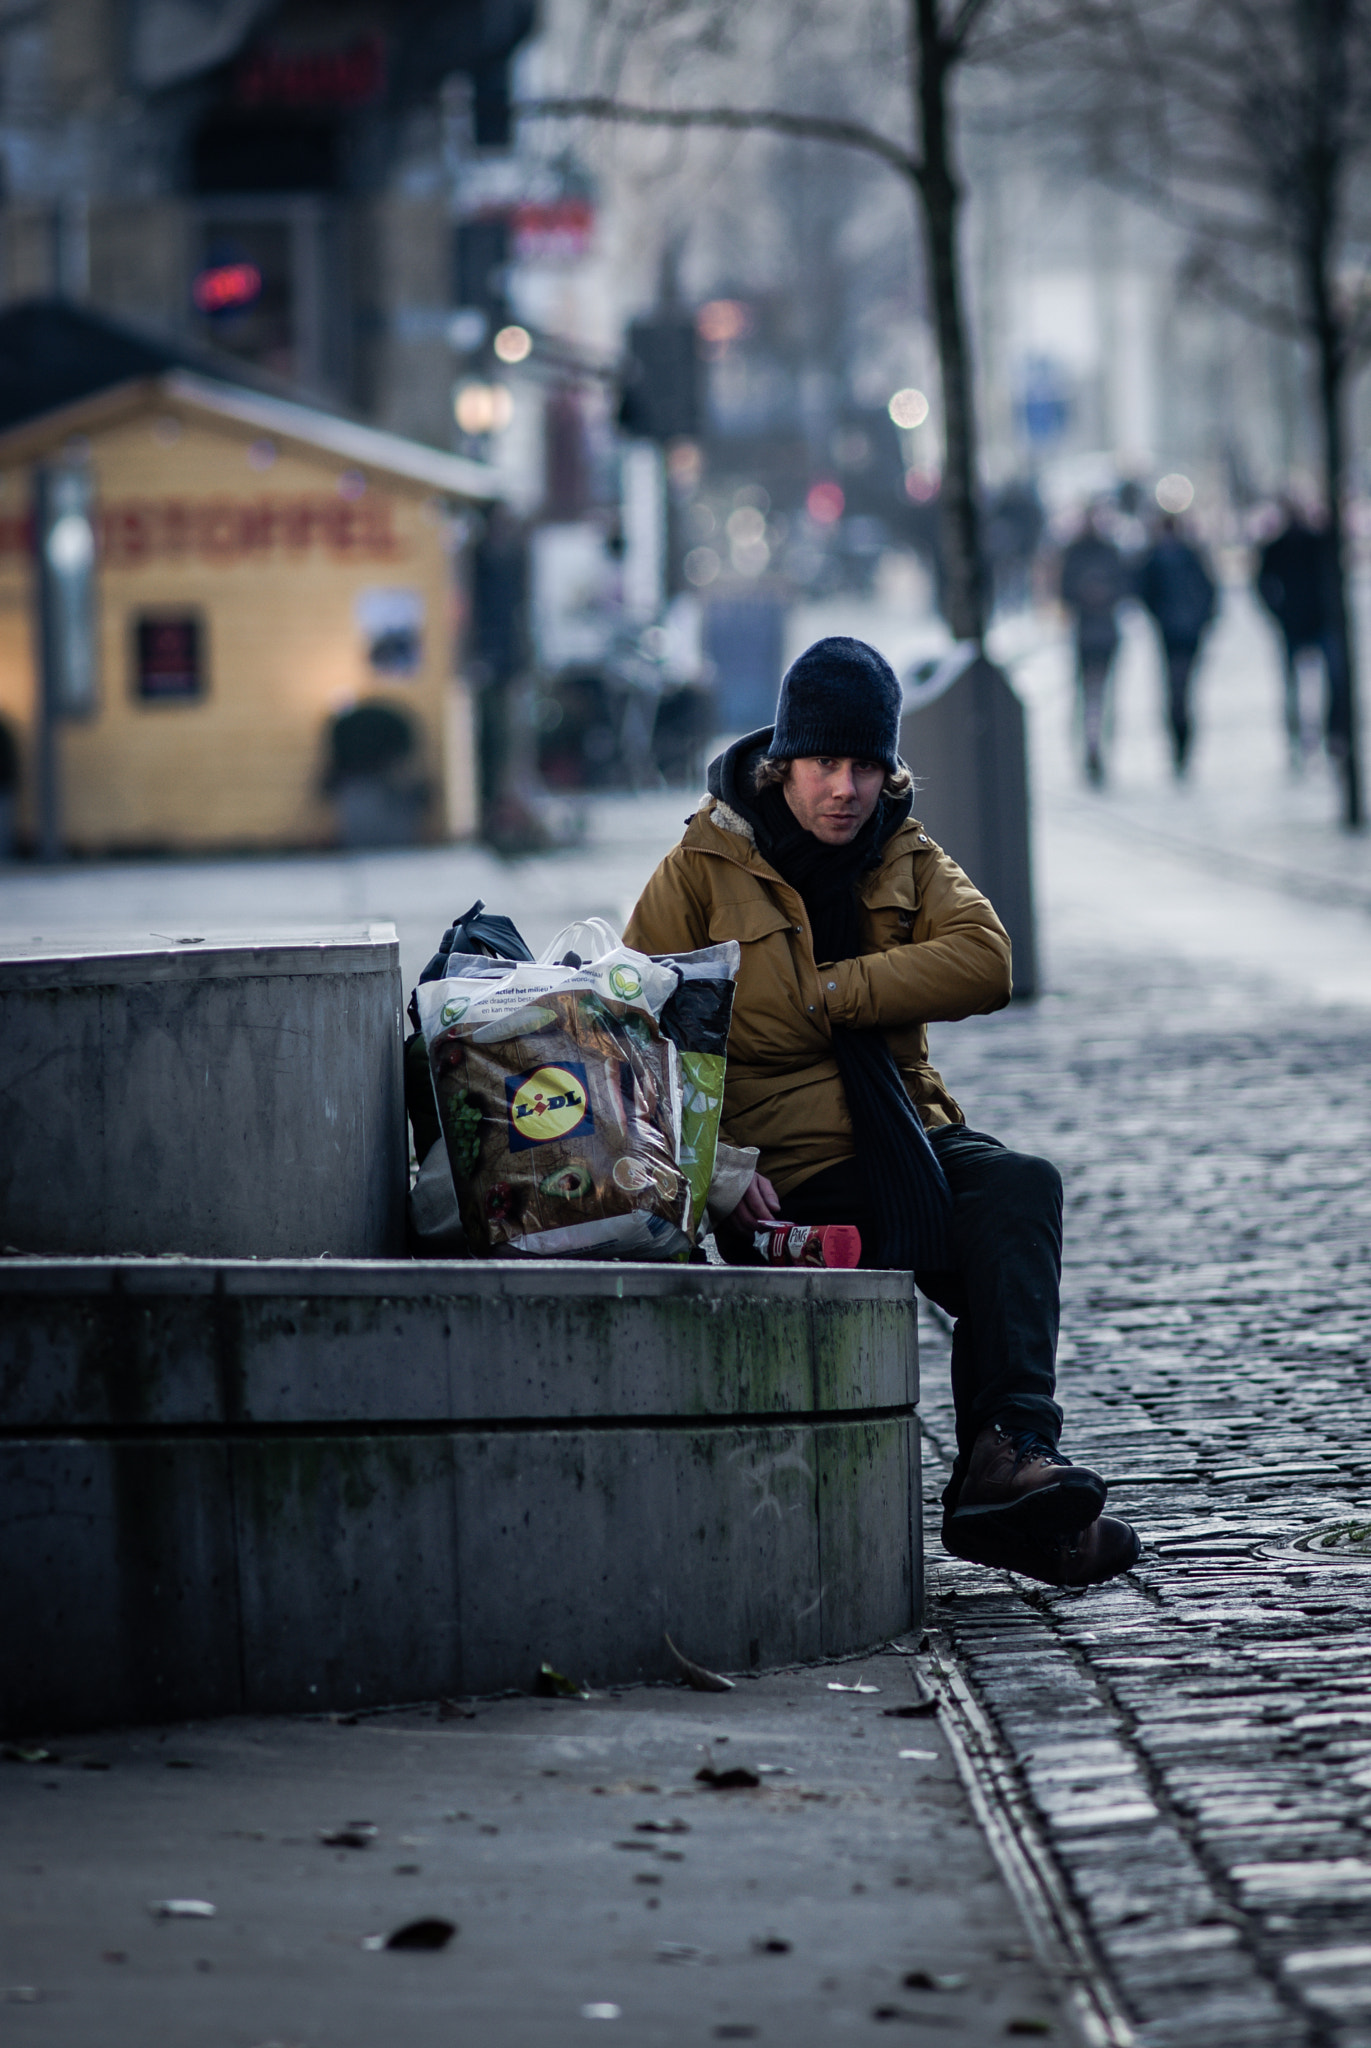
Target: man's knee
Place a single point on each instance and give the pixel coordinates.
(1030, 1186)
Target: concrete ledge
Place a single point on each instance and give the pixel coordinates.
(267, 1486)
(209, 1095)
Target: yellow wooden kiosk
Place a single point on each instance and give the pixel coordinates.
(264, 569)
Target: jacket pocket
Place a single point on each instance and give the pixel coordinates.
(747, 921)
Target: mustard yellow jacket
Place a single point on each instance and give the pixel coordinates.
(933, 950)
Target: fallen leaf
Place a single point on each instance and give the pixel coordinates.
(674, 1826)
(773, 1945)
(775, 1770)
(601, 2010)
(923, 1756)
(736, 2030)
(1029, 2026)
(912, 1709)
(932, 1980)
(836, 1685)
(732, 1780)
(922, 2018)
(431, 1933)
(552, 1685)
(696, 1675)
(453, 1710)
(357, 1834)
(181, 1909)
(679, 1952)
(16, 1753)
(23, 1994)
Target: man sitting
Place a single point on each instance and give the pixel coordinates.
(856, 933)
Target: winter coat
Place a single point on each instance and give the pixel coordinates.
(1178, 590)
(1094, 581)
(1296, 580)
(936, 951)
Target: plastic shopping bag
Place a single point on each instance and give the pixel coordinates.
(696, 1020)
(560, 1100)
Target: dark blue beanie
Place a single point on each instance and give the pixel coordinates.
(839, 697)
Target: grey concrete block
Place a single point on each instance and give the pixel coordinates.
(963, 735)
(348, 1569)
(278, 1341)
(283, 1486)
(224, 1100)
(118, 1582)
(92, 1347)
(584, 1547)
(868, 1478)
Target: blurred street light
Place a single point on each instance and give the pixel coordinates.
(1175, 493)
(513, 344)
(824, 503)
(702, 565)
(746, 526)
(908, 408)
(482, 408)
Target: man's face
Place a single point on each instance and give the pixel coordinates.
(833, 797)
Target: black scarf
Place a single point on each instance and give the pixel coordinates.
(913, 1203)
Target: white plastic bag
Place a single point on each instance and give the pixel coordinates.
(560, 1101)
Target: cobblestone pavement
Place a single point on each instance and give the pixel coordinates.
(1197, 1738)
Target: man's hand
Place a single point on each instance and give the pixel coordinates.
(759, 1205)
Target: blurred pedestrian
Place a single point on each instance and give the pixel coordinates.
(1094, 580)
(1013, 528)
(1175, 585)
(1294, 572)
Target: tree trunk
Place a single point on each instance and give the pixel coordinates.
(940, 205)
(1343, 721)
(1328, 24)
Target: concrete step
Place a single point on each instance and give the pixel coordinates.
(265, 1486)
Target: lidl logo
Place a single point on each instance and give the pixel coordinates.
(549, 1103)
(626, 983)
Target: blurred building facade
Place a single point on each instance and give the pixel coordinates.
(273, 625)
(699, 368)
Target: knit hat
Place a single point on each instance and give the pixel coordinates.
(839, 697)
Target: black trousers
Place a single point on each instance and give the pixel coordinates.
(1003, 1289)
(1180, 666)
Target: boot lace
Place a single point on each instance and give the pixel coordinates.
(1029, 1446)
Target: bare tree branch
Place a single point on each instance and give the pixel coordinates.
(962, 23)
(764, 120)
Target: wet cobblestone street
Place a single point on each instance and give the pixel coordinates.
(1196, 1738)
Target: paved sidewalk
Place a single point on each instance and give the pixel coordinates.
(1197, 1738)
(600, 1891)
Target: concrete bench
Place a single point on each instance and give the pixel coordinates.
(217, 1094)
(269, 1486)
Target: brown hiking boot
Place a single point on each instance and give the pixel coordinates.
(1086, 1557)
(1019, 1481)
